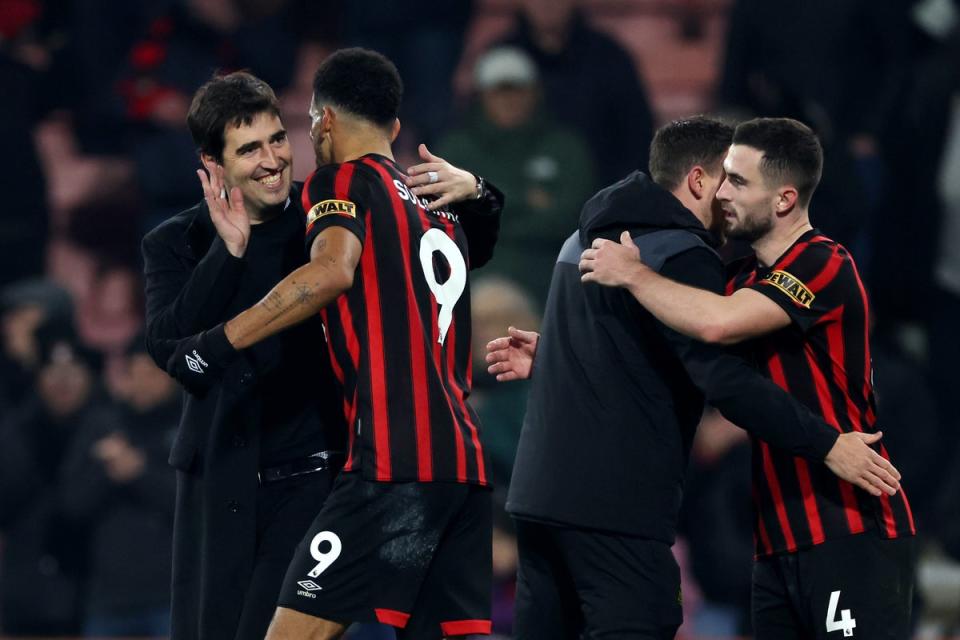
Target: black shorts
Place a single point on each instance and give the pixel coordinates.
(858, 586)
(576, 583)
(417, 556)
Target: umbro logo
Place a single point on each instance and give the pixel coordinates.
(309, 586)
(195, 363)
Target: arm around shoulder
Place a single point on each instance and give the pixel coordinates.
(686, 297)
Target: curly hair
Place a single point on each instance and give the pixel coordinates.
(362, 82)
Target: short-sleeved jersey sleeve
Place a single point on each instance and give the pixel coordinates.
(336, 195)
(810, 282)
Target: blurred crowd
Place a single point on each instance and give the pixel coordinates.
(548, 99)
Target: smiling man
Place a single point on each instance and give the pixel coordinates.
(404, 538)
(255, 454)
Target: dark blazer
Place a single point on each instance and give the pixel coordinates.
(191, 280)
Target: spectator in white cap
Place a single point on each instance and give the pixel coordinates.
(544, 170)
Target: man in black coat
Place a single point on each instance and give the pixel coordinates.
(615, 400)
(255, 454)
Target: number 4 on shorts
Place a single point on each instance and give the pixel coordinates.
(845, 623)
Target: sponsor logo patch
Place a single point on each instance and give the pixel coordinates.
(331, 207)
(791, 286)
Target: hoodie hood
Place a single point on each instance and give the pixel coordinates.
(638, 205)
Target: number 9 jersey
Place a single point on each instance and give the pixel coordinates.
(399, 338)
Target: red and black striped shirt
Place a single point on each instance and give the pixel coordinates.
(823, 360)
(399, 339)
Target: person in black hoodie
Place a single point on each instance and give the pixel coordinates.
(117, 485)
(614, 403)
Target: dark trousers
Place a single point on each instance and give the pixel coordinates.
(854, 587)
(285, 509)
(576, 583)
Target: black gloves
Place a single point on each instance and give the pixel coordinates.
(200, 360)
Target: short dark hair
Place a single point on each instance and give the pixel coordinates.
(362, 82)
(680, 145)
(233, 99)
(791, 152)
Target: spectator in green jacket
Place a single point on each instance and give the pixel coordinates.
(544, 170)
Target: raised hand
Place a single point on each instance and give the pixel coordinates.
(511, 357)
(226, 211)
(853, 460)
(437, 177)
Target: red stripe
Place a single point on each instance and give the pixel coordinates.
(350, 400)
(459, 393)
(889, 521)
(460, 447)
(353, 350)
(732, 282)
(391, 617)
(850, 507)
(814, 522)
(349, 331)
(809, 501)
(906, 507)
(903, 498)
(466, 627)
(823, 391)
(376, 356)
(449, 345)
(351, 433)
(341, 183)
(418, 356)
(341, 190)
(836, 350)
(827, 274)
(771, 474)
(305, 194)
(868, 396)
(761, 527)
(337, 369)
(792, 255)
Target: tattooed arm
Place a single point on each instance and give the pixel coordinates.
(334, 256)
